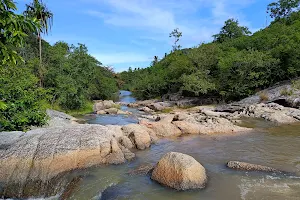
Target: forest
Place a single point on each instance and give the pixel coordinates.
(234, 65)
(35, 75)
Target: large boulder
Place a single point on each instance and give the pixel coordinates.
(180, 171)
(138, 134)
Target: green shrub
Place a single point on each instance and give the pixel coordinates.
(263, 97)
(296, 84)
(24, 102)
(286, 92)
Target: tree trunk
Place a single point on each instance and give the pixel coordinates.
(40, 49)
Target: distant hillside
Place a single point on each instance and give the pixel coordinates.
(232, 69)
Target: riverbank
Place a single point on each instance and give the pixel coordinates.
(43, 154)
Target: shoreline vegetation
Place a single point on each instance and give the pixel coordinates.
(36, 76)
(205, 90)
(235, 65)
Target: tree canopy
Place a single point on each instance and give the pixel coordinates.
(282, 8)
(13, 28)
(72, 77)
(231, 30)
(232, 67)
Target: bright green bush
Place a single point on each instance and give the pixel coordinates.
(24, 101)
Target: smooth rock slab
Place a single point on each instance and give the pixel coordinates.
(42, 154)
(180, 171)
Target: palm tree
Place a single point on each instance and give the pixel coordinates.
(37, 9)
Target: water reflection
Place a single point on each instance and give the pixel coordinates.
(126, 97)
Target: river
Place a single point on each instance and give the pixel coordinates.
(269, 145)
(278, 147)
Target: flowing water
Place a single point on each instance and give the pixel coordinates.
(277, 147)
(125, 96)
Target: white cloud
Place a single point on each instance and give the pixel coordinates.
(121, 57)
(159, 18)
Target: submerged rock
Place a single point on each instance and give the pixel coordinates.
(142, 170)
(249, 167)
(180, 171)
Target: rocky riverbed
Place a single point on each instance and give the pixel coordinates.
(43, 154)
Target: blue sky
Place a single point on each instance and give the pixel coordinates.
(129, 33)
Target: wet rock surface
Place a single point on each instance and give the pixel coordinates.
(237, 165)
(142, 170)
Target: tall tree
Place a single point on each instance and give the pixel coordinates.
(176, 34)
(12, 31)
(155, 61)
(44, 16)
(231, 30)
(282, 8)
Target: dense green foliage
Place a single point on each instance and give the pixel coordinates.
(70, 77)
(228, 69)
(231, 30)
(282, 8)
(12, 32)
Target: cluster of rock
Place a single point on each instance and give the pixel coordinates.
(108, 107)
(44, 153)
(150, 106)
(182, 172)
(269, 111)
(201, 122)
(285, 93)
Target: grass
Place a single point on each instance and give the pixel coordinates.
(286, 92)
(167, 110)
(117, 106)
(186, 107)
(88, 108)
(296, 84)
(263, 96)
